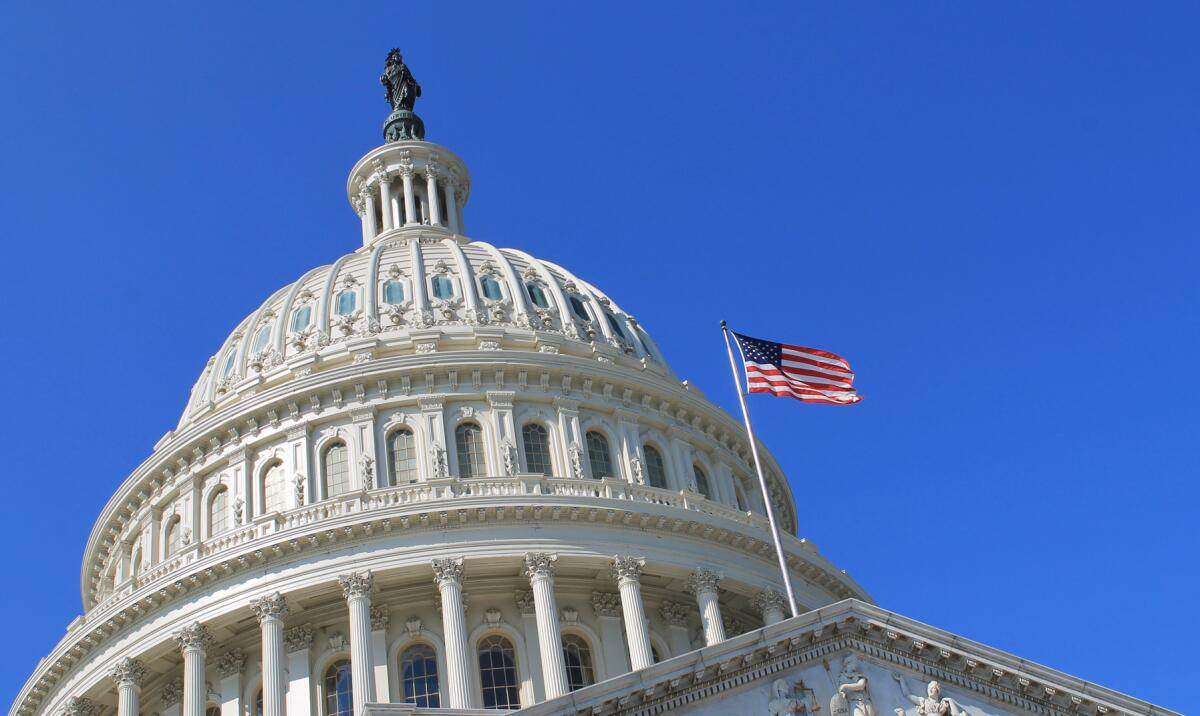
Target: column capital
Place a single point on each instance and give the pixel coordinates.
(379, 617)
(673, 613)
(194, 636)
(298, 638)
(524, 600)
(128, 672)
(540, 564)
(448, 570)
(230, 663)
(769, 599)
(272, 606)
(626, 567)
(172, 692)
(606, 604)
(78, 706)
(356, 584)
(704, 580)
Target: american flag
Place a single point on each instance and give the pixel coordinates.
(807, 374)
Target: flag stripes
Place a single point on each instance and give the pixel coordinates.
(807, 374)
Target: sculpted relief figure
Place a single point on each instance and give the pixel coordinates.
(782, 703)
(932, 703)
(853, 698)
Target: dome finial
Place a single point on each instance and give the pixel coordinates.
(402, 93)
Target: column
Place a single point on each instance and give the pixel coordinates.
(452, 205)
(448, 574)
(410, 203)
(705, 584)
(675, 615)
(533, 654)
(607, 608)
(385, 200)
(128, 673)
(627, 573)
(368, 199)
(356, 587)
(360, 208)
(271, 611)
(193, 639)
(772, 605)
(539, 567)
(379, 623)
(298, 643)
(229, 670)
(435, 214)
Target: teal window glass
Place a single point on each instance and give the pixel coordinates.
(442, 287)
(300, 317)
(491, 288)
(393, 292)
(230, 362)
(537, 295)
(616, 327)
(260, 339)
(578, 309)
(346, 301)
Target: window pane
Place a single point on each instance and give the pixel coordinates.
(537, 295)
(616, 327)
(345, 302)
(230, 361)
(260, 339)
(218, 513)
(656, 471)
(442, 287)
(578, 309)
(491, 288)
(174, 537)
(393, 292)
(468, 439)
(498, 674)
(402, 453)
(338, 695)
(578, 657)
(599, 456)
(419, 676)
(701, 480)
(274, 489)
(337, 470)
(537, 448)
(300, 317)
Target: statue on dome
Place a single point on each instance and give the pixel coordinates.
(402, 92)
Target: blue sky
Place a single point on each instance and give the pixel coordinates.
(989, 209)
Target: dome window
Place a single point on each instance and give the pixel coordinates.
(578, 657)
(419, 676)
(616, 327)
(578, 308)
(498, 673)
(300, 318)
(402, 454)
(468, 440)
(491, 288)
(537, 448)
(701, 480)
(230, 362)
(599, 455)
(443, 287)
(339, 697)
(537, 295)
(393, 292)
(336, 469)
(346, 301)
(656, 472)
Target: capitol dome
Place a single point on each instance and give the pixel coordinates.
(433, 472)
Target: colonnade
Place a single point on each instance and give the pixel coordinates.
(278, 644)
(382, 209)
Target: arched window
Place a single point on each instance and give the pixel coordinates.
(393, 292)
(402, 456)
(260, 339)
(491, 288)
(230, 362)
(537, 448)
(338, 698)
(346, 300)
(701, 480)
(468, 440)
(274, 488)
(335, 469)
(498, 673)
(599, 456)
(136, 569)
(443, 287)
(655, 653)
(419, 676)
(656, 470)
(578, 657)
(218, 512)
(212, 710)
(301, 317)
(739, 494)
(537, 295)
(173, 541)
(616, 327)
(578, 308)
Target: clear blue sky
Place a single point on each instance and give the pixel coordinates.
(991, 210)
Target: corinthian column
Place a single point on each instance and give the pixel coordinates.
(410, 199)
(385, 200)
(771, 604)
(448, 573)
(627, 573)
(356, 587)
(271, 611)
(193, 640)
(128, 673)
(435, 212)
(539, 567)
(706, 584)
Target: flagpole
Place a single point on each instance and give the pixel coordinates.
(762, 481)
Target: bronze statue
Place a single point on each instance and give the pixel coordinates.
(402, 87)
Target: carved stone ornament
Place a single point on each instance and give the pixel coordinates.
(437, 456)
(238, 505)
(524, 600)
(733, 626)
(337, 641)
(128, 672)
(449, 569)
(492, 617)
(933, 703)
(673, 613)
(576, 460)
(625, 567)
(379, 617)
(272, 606)
(172, 693)
(768, 600)
(412, 625)
(639, 475)
(233, 662)
(298, 638)
(606, 604)
(782, 702)
(356, 584)
(509, 451)
(853, 698)
(704, 580)
(300, 480)
(570, 616)
(540, 565)
(367, 464)
(193, 636)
